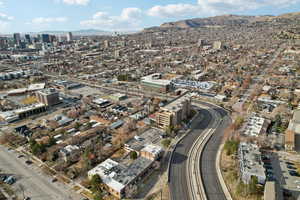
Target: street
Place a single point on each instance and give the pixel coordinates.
(37, 185)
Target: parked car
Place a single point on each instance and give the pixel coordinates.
(269, 170)
(10, 180)
(20, 156)
(28, 162)
(291, 167)
(289, 163)
(271, 178)
(287, 193)
(3, 177)
(54, 180)
(268, 167)
(293, 173)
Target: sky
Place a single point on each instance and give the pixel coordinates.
(123, 15)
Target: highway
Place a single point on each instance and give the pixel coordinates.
(184, 178)
(178, 179)
(212, 187)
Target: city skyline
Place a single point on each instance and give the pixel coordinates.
(62, 15)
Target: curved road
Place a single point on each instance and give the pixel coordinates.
(177, 174)
(207, 163)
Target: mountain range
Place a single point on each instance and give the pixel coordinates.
(227, 20)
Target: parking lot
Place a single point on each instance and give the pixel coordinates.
(36, 184)
(284, 171)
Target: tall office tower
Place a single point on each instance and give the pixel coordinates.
(69, 37)
(28, 38)
(17, 38)
(45, 38)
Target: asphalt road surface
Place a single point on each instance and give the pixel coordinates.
(37, 186)
(177, 181)
(207, 163)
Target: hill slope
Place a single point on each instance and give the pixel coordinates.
(229, 20)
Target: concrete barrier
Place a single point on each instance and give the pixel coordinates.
(219, 173)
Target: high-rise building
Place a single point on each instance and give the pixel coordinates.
(69, 37)
(48, 96)
(28, 38)
(17, 38)
(45, 38)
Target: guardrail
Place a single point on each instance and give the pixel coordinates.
(195, 154)
(194, 173)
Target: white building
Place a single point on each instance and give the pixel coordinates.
(251, 163)
(256, 126)
(119, 179)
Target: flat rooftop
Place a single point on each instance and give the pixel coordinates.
(250, 158)
(48, 91)
(116, 175)
(150, 136)
(176, 104)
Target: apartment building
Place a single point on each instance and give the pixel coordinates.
(292, 137)
(251, 163)
(48, 96)
(174, 113)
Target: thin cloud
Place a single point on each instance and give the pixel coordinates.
(214, 7)
(48, 20)
(128, 19)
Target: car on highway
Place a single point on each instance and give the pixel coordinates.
(20, 156)
(27, 198)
